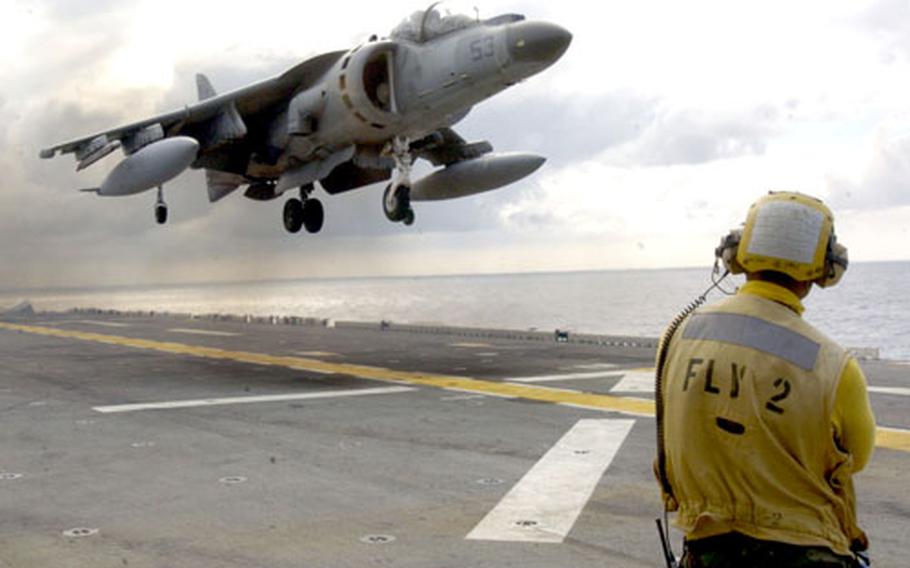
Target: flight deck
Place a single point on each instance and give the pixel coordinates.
(165, 440)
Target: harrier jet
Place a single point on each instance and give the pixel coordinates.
(344, 120)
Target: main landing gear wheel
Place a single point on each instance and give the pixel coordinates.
(293, 215)
(313, 215)
(160, 208)
(308, 214)
(396, 202)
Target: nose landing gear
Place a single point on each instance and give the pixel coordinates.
(396, 200)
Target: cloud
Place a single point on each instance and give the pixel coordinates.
(63, 11)
(658, 133)
(597, 198)
(875, 234)
(889, 20)
(563, 128)
(693, 136)
(884, 181)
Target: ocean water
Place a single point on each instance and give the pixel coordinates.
(870, 307)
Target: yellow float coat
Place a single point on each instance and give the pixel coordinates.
(765, 421)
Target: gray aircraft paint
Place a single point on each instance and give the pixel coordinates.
(346, 119)
(150, 166)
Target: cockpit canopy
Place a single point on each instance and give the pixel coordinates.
(439, 20)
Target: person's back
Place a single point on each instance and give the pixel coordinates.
(759, 441)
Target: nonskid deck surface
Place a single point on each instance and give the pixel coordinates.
(166, 441)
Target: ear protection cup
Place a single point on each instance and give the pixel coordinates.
(836, 258)
(726, 251)
(836, 262)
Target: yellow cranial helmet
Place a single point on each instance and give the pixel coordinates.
(787, 232)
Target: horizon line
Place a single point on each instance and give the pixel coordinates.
(229, 282)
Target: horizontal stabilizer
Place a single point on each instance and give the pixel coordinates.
(220, 184)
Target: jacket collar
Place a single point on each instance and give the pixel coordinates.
(773, 292)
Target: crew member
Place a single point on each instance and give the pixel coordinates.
(762, 419)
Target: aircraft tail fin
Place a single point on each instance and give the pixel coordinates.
(204, 87)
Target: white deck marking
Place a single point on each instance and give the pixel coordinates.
(101, 323)
(628, 398)
(890, 390)
(545, 504)
(457, 397)
(636, 380)
(563, 377)
(317, 354)
(593, 366)
(246, 400)
(471, 345)
(190, 331)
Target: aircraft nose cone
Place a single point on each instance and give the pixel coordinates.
(537, 42)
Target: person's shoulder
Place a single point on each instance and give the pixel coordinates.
(728, 303)
(820, 336)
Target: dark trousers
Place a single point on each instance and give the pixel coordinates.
(734, 550)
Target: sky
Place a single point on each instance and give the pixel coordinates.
(661, 124)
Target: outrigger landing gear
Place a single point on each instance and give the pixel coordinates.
(304, 212)
(396, 201)
(160, 208)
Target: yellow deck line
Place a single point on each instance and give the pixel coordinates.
(886, 437)
(892, 438)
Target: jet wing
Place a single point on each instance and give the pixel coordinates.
(250, 100)
(445, 147)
